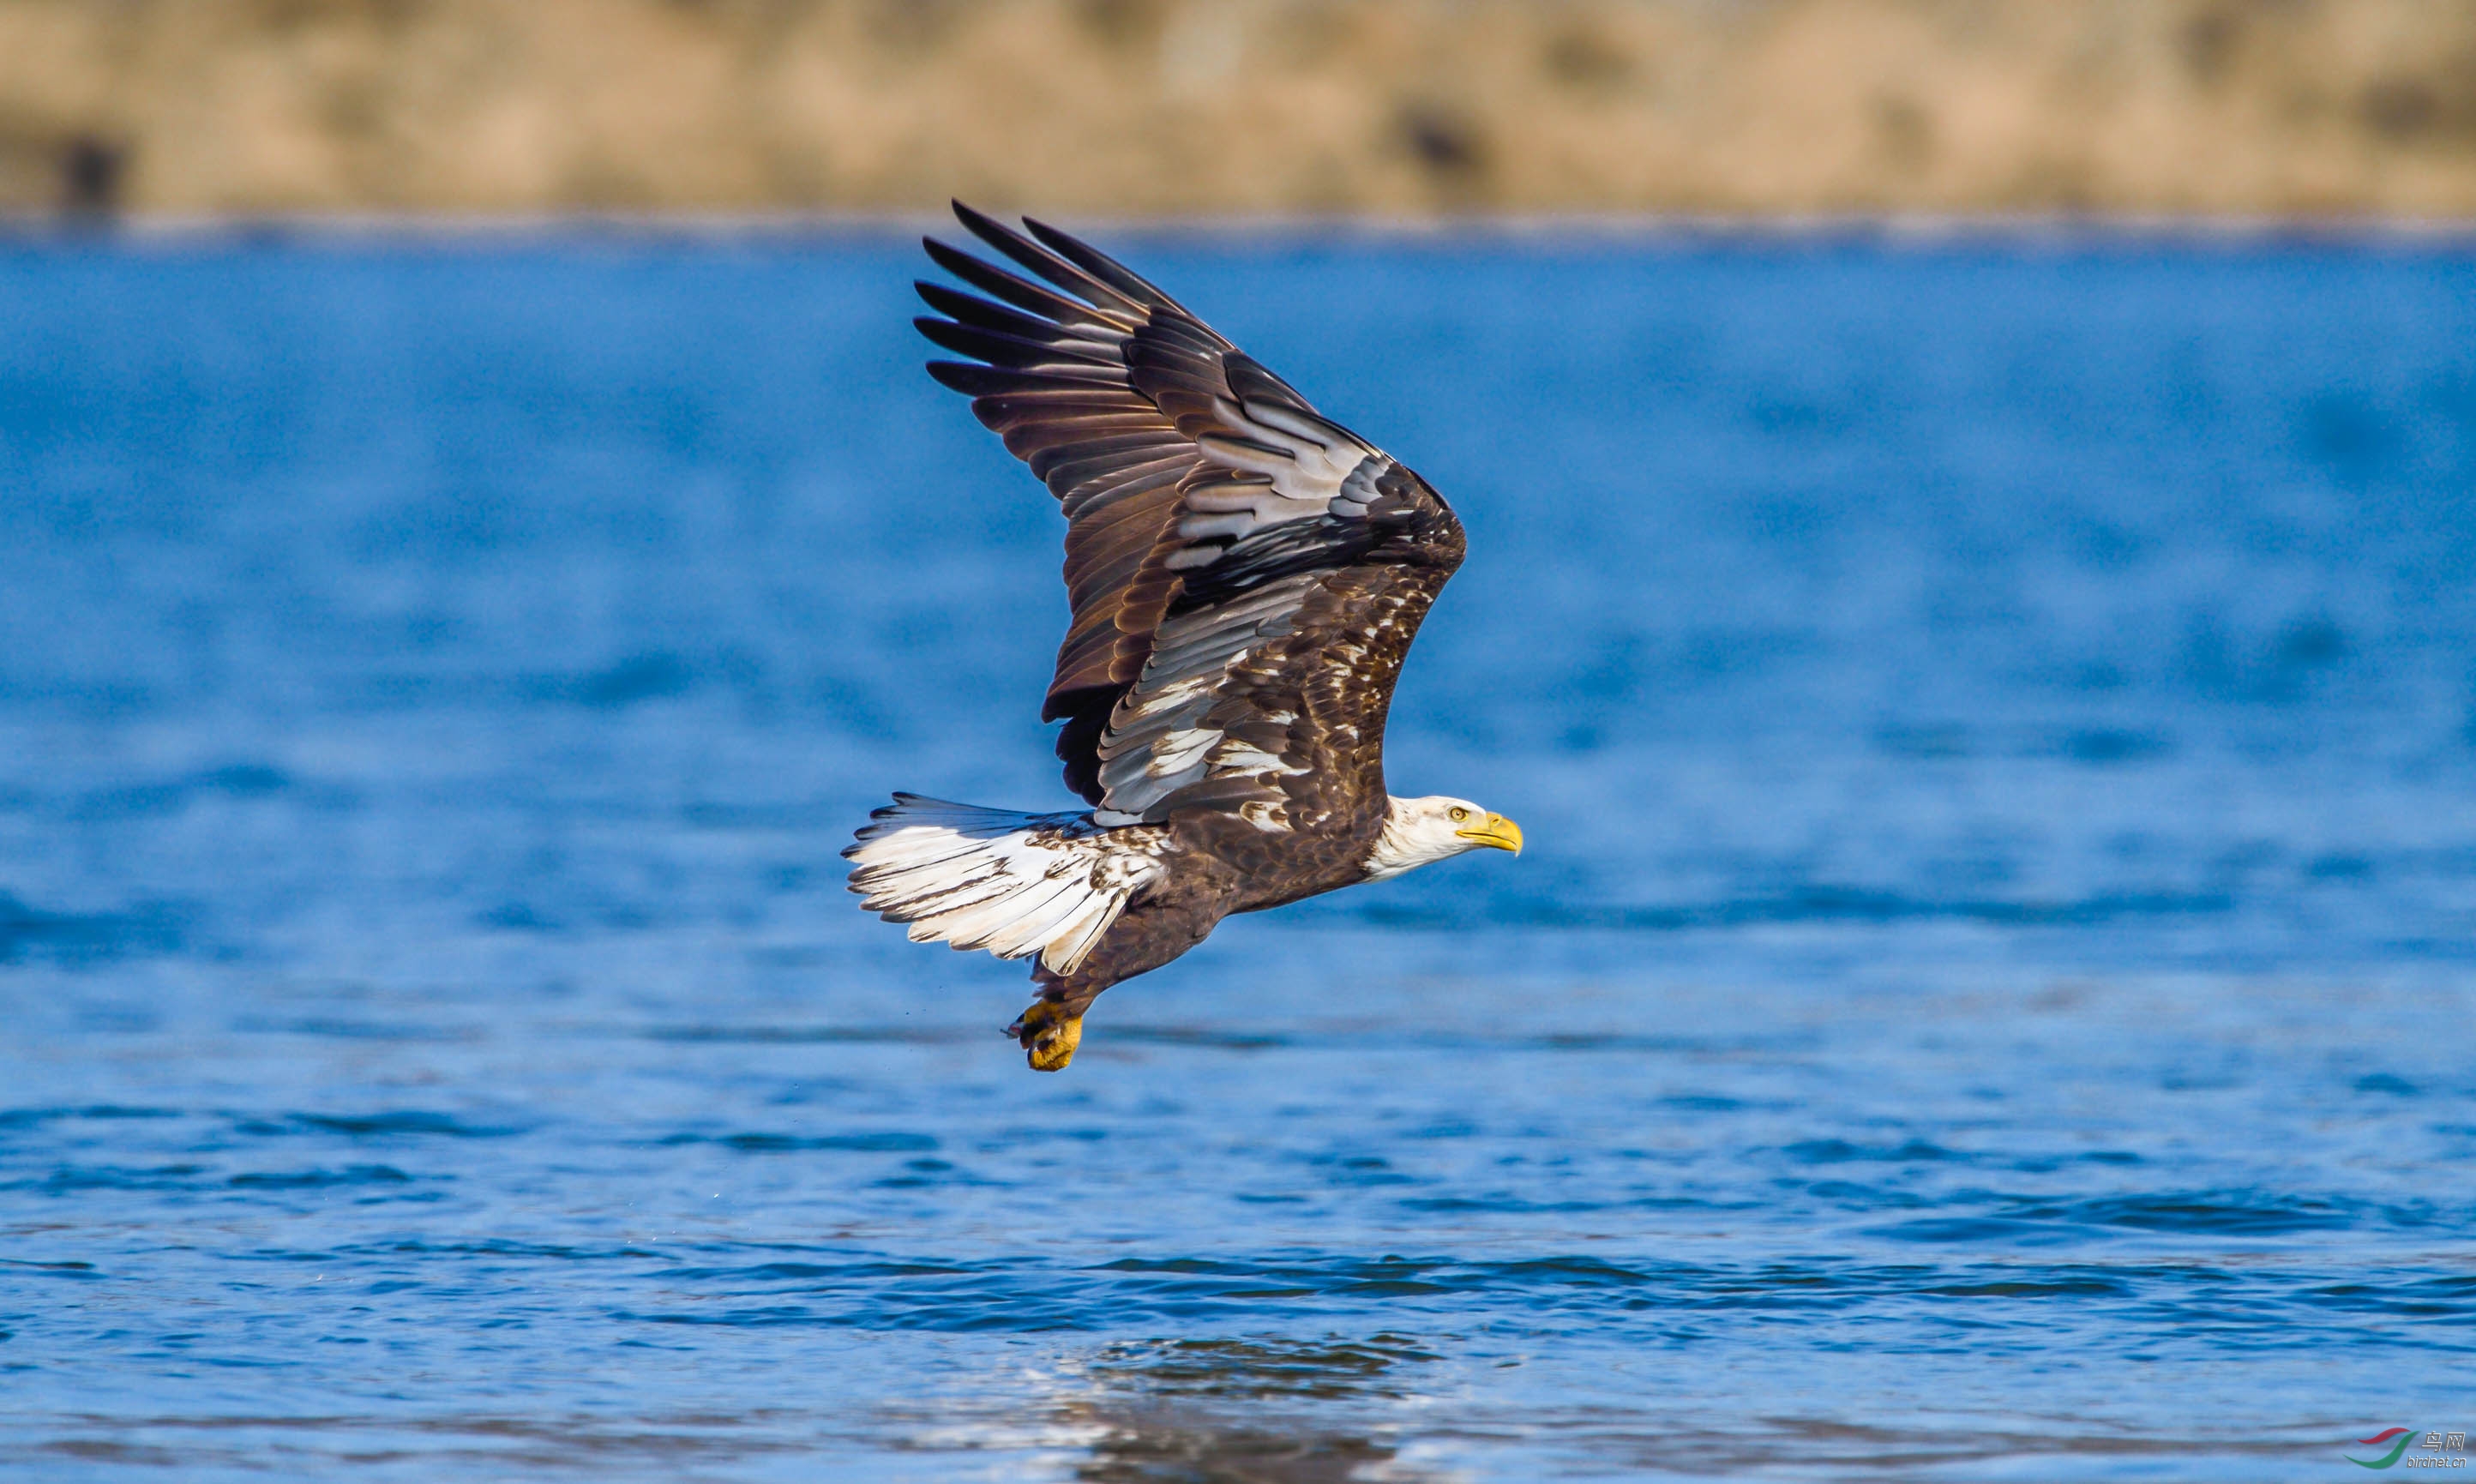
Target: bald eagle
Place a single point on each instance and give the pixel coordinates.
(1246, 575)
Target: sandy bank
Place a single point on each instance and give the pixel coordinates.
(2280, 107)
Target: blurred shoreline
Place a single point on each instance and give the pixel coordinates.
(1567, 112)
(2024, 231)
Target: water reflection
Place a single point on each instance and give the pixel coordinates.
(1211, 1410)
(1262, 1368)
(1160, 1445)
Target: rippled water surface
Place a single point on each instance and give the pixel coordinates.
(1989, 995)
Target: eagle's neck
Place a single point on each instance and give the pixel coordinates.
(1407, 842)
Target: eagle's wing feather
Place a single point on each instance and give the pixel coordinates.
(1244, 574)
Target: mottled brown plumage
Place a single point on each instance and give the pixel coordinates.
(1246, 578)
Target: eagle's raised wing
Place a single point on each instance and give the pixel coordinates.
(1246, 575)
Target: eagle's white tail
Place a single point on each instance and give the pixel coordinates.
(1015, 884)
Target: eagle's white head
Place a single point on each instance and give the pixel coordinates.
(1421, 832)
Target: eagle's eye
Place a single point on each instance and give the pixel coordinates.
(1459, 814)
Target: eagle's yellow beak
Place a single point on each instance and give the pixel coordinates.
(1501, 833)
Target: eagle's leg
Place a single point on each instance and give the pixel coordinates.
(1153, 931)
(1049, 1032)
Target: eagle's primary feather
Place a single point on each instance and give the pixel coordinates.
(1246, 577)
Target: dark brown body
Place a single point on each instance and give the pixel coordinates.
(1226, 865)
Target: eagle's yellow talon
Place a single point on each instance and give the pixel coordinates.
(1049, 1035)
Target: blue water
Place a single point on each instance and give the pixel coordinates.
(1989, 995)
